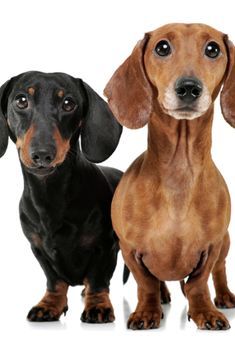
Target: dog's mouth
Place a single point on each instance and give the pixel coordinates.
(186, 109)
(41, 171)
(185, 112)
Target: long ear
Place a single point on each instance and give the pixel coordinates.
(3, 121)
(100, 131)
(129, 92)
(227, 97)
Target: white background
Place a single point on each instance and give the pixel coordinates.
(90, 39)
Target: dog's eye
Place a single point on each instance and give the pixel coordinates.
(163, 48)
(68, 105)
(21, 101)
(212, 50)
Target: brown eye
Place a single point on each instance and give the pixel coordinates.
(21, 101)
(163, 48)
(68, 105)
(212, 50)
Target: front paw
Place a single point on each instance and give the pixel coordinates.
(225, 300)
(209, 320)
(143, 320)
(98, 315)
(45, 313)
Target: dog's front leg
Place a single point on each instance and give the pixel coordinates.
(54, 302)
(148, 312)
(224, 297)
(201, 309)
(98, 307)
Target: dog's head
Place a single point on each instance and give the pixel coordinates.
(179, 67)
(45, 114)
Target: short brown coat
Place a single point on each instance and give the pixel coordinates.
(171, 210)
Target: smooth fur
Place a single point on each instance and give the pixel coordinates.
(65, 206)
(171, 210)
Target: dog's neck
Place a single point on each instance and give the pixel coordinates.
(179, 151)
(179, 144)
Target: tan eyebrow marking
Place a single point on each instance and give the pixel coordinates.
(60, 93)
(31, 91)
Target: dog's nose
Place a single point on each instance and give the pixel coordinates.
(42, 157)
(188, 89)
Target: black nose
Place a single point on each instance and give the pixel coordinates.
(188, 89)
(42, 157)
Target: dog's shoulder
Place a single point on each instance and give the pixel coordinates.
(112, 176)
(94, 176)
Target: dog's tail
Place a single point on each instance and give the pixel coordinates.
(126, 274)
(182, 284)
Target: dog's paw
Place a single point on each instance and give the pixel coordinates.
(225, 300)
(45, 313)
(143, 320)
(209, 320)
(98, 315)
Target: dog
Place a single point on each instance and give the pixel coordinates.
(171, 210)
(65, 206)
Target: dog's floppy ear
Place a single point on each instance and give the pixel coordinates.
(129, 92)
(100, 131)
(3, 121)
(227, 97)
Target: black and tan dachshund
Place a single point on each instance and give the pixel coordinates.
(65, 206)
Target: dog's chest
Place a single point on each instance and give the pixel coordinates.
(170, 235)
(68, 249)
(67, 239)
(72, 229)
(172, 251)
